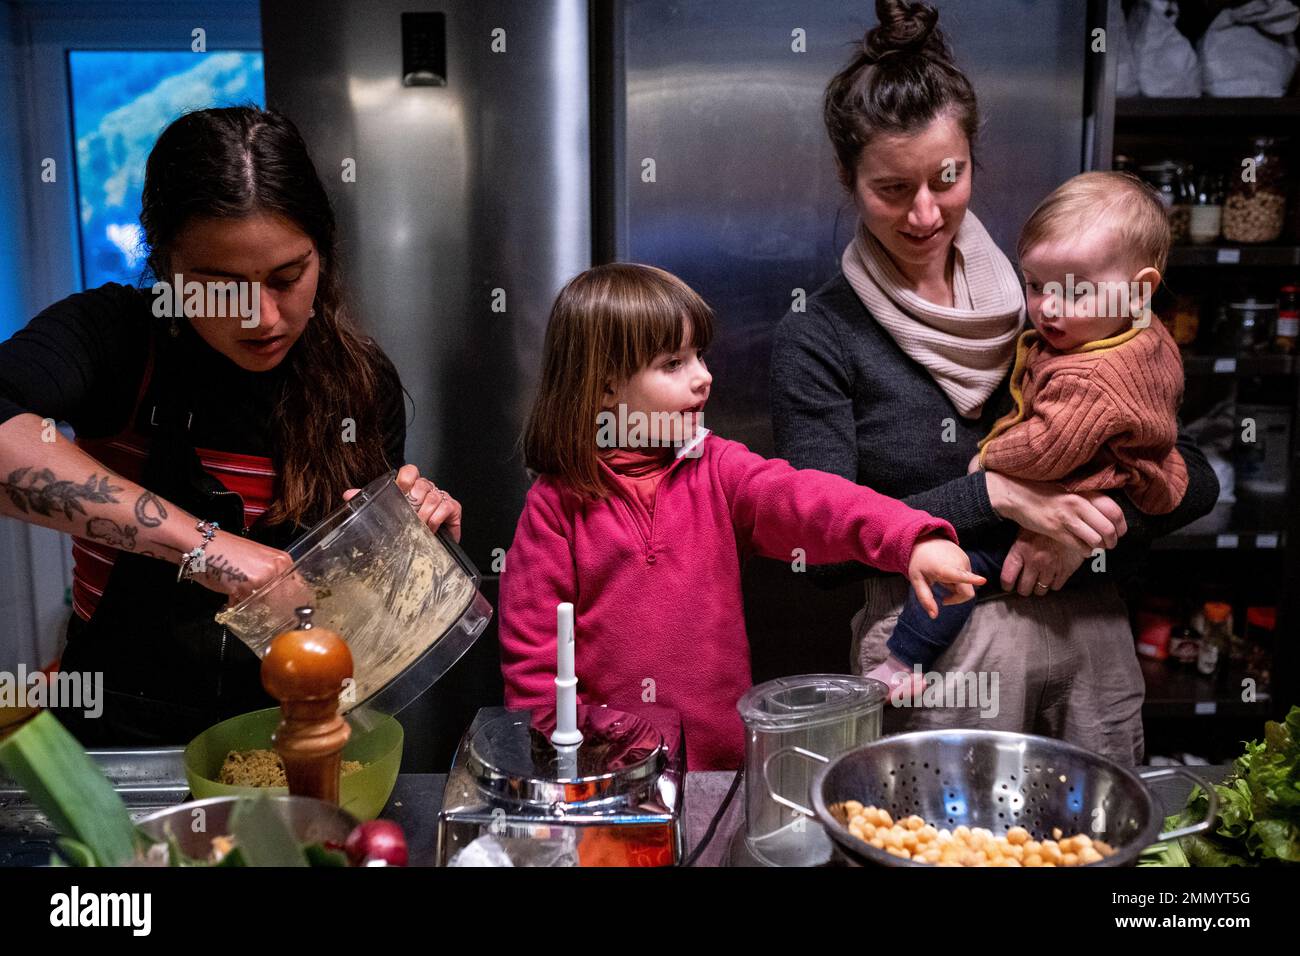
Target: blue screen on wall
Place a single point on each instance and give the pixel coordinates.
(121, 101)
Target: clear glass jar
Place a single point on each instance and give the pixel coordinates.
(1170, 180)
(1206, 218)
(1255, 207)
(1254, 322)
(827, 714)
(1213, 654)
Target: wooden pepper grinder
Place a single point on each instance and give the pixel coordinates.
(305, 669)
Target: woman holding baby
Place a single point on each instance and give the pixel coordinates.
(913, 354)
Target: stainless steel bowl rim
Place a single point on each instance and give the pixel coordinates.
(285, 799)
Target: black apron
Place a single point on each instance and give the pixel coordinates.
(169, 670)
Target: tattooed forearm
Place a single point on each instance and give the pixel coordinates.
(219, 568)
(40, 492)
(149, 510)
(111, 533)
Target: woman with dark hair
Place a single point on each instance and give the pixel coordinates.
(896, 370)
(211, 428)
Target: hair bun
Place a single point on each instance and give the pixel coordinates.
(904, 28)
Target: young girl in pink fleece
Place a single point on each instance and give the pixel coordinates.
(642, 518)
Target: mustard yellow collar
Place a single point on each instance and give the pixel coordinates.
(1030, 336)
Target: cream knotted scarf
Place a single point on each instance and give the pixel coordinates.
(965, 349)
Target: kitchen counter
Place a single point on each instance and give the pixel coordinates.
(417, 798)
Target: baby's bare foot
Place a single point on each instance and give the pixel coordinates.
(903, 682)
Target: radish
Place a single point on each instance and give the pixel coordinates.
(376, 843)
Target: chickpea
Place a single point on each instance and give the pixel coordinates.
(912, 838)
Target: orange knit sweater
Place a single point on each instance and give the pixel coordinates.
(1100, 416)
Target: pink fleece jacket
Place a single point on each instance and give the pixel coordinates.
(657, 599)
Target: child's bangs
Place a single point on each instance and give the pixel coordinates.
(660, 315)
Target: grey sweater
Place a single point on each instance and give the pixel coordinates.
(847, 400)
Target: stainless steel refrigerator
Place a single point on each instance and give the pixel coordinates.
(517, 155)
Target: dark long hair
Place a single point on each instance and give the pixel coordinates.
(901, 78)
(235, 162)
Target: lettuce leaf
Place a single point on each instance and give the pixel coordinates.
(1258, 820)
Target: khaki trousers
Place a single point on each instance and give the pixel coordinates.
(1062, 665)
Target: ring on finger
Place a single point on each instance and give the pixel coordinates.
(1041, 588)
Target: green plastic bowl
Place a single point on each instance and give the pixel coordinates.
(362, 794)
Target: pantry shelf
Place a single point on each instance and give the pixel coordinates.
(1239, 365)
(1226, 541)
(1254, 108)
(1248, 524)
(1175, 691)
(1256, 256)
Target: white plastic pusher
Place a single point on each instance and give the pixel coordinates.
(566, 733)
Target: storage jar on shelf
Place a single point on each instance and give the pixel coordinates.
(1255, 206)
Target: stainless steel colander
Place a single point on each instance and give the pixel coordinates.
(992, 779)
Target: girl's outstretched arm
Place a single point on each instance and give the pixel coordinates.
(784, 513)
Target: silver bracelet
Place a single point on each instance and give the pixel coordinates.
(209, 531)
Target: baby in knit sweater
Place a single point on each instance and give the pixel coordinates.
(1096, 382)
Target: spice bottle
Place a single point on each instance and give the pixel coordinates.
(1185, 646)
(1207, 211)
(1288, 320)
(1261, 636)
(1213, 655)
